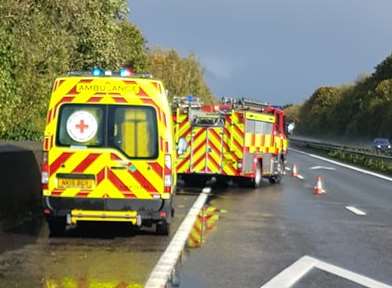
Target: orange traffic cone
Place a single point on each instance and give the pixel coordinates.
(318, 188)
(294, 171)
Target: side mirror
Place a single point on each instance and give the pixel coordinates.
(182, 145)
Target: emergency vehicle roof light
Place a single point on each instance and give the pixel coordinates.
(96, 71)
(125, 72)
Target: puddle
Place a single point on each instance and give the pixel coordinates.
(205, 222)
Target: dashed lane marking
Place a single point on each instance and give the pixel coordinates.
(356, 211)
(322, 168)
(344, 165)
(292, 274)
(164, 269)
(300, 177)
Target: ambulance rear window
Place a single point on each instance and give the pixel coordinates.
(133, 130)
(130, 129)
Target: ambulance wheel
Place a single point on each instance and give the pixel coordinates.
(57, 226)
(162, 228)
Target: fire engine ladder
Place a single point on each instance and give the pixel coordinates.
(252, 105)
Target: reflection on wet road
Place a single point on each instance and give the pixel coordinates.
(88, 256)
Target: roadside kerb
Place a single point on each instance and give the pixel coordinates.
(164, 269)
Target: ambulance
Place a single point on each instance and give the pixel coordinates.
(108, 151)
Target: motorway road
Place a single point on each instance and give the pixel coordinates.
(268, 229)
(95, 256)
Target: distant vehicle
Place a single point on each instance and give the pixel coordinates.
(382, 145)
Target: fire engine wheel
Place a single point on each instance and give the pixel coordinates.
(275, 179)
(255, 182)
(162, 228)
(57, 226)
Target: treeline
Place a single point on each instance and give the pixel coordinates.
(42, 39)
(182, 76)
(360, 110)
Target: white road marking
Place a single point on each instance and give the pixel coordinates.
(299, 176)
(321, 167)
(288, 168)
(292, 274)
(356, 210)
(163, 270)
(344, 165)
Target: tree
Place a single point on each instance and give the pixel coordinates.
(42, 39)
(181, 76)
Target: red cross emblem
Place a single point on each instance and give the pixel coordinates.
(81, 126)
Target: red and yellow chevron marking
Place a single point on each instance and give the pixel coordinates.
(205, 222)
(214, 150)
(140, 179)
(206, 150)
(233, 143)
(183, 130)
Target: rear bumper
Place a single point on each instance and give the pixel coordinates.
(147, 210)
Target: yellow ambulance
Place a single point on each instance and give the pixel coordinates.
(108, 151)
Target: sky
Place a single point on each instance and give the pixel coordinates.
(278, 51)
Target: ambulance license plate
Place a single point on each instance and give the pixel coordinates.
(65, 183)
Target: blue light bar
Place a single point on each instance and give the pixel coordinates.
(96, 71)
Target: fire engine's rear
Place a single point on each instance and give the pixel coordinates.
(108, 152)
(239, 140)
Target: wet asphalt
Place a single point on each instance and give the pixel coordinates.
(266, 230)
(100, 255)
(260, 233)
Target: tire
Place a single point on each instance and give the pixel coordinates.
(162, 228)
(56, 226)
(256, 181)
(275, 179)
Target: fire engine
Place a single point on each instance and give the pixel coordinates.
(108, 151)
(242, 140)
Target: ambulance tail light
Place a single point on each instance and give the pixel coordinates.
(45, 170)
(168, 181)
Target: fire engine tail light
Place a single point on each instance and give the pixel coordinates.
(168, 177)
(45, 171)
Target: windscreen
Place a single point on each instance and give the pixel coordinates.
(130, 129)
